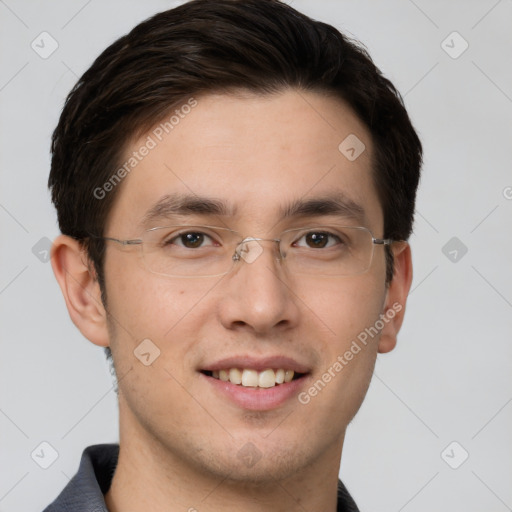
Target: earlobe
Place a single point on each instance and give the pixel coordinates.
(80, 289)
(396, 297)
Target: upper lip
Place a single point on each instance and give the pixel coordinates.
(257, 363)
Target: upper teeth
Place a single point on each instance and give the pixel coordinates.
(251, 378)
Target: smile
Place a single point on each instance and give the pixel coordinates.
(250, 378)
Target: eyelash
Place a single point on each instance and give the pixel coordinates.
(171, 241)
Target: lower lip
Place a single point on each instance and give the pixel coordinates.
(257, 399)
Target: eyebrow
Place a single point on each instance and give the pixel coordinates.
(187, 204)
(333, 204)
(184, 204)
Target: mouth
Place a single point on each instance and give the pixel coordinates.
(256, 383)
(251, 378)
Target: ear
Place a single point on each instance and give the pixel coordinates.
(396, 297)
(80, 288)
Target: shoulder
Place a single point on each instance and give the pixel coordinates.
(84, 492)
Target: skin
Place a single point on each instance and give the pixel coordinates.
(179, 438)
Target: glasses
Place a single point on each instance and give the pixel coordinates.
(209, 251)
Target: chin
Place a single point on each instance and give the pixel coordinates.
(255, 463)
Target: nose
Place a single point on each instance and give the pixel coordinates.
(258, 295)
(249, 249)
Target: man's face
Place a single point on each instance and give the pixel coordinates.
(257, 155)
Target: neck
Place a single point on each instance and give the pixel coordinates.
(149, 477)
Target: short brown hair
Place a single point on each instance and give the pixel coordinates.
(263, 46)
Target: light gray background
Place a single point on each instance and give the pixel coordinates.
(449, 378)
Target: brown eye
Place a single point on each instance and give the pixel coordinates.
(190, 240)
(317, 240)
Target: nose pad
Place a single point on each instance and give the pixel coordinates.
(249, 249)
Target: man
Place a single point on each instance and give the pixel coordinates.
(235, 185)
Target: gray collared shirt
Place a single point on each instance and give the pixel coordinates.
(84, 492)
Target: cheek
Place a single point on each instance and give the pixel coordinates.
(345, 306)
(168, 312)
(146, 305)
(348, 315)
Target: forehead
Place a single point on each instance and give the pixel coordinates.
(257, 155)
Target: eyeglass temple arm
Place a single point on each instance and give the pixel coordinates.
(382, 241)
(123, 242)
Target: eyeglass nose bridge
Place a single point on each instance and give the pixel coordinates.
(249, 249)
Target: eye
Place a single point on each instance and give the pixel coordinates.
(318, 240)
(190, 240)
